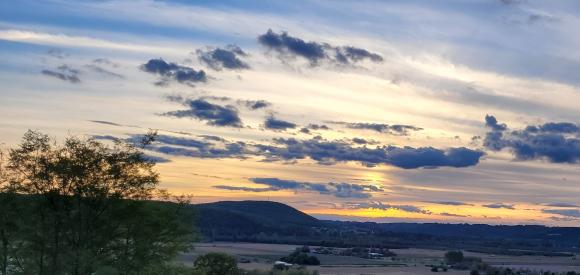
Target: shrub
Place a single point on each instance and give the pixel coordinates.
(453, 257)
(216, 264)
(301, 258)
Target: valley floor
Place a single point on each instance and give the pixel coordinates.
(408, 261)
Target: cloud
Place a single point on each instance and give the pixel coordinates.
(318, 127)
(340, 190)
(255, 104)
(452, 215)
(499, 205)
(491, 122)
(289, 47)
(245, 189)
(363, 141)
(64, 73)
(57, 53)
(277, 124)
(454, 203)
(330, 152)
(347, 190)
(218, 58)
(322, 151)
(396, 129)
(383, 206)
(562, 204)
(106, 123)
(213, 114)
(97, 66)
(571, 213)
(348, 55)
(557, 142)
(155, 159)
(315, 127)
(59, 39)
(172, 71)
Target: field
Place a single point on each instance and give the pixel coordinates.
(408, 261)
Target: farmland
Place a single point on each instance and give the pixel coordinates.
(408, 261)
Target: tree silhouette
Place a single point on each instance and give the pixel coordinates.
(82, 206)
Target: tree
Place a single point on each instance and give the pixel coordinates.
(8, 215)
(216, 264)
(301, 258)
(453, 257)
(87, 205)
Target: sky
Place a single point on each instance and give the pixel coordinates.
(455, 111)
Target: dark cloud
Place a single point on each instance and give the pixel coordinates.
(499, 205)
(491, 122)
(571, 213)
(289, 47)
(452, 215)
(348, 55)
(172, 71)
(212, 138)
(228, 58)
(285, 44)
(255, 104)
(206, 147)
(213, 114)
(106, 123)
(330, 152)
(454, 203)
(322, 151)
(277, 124)
(64, 73)
(562, 204)
(384, 206)
(318, 127)
(396, 129)
(341, 190)
(360, 141)
(555, 142)
(347, 190)
(315, 127)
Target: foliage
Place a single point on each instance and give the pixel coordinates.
(82, 207)
(301, 258)
(216, 264)
(453, 257)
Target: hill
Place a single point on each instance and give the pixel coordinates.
(266, 221)
(243, 219)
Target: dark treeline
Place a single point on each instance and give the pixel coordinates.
(83, 207)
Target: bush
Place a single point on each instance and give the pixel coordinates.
(216, 264)
(453, 257)
(301, 258)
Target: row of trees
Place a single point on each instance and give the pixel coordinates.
(84, 207)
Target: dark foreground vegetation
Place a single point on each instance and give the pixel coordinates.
(85, 208)
(456, 260)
